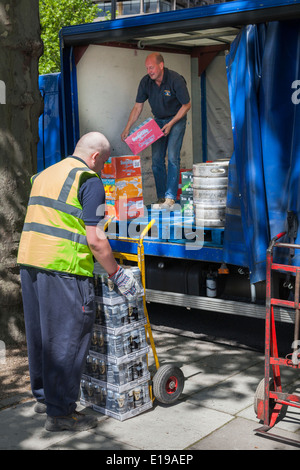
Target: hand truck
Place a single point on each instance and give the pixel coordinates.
(269, 397)
(167, 384)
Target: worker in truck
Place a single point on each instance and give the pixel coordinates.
(60, 237)
(169, 99)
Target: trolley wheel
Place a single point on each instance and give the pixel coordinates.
(259, 399)
(168, 383)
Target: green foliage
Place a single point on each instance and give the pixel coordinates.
(54, 14)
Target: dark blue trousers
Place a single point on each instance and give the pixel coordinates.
(59, 316)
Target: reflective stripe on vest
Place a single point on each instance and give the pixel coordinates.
(54, 235)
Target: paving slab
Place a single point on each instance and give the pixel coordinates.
(215, 410)
(168, 427)
(240, 434)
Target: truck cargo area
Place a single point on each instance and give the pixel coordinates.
(240, 61)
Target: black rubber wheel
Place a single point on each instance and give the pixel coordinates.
(259, 398)
(168, 383)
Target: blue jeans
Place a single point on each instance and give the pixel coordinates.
(167, 182)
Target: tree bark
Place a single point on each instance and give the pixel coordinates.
(21, 105)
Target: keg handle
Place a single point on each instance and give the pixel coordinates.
(217, 170)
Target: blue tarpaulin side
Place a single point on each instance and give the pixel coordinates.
(262, 71)
(235, 251)
(50, 145)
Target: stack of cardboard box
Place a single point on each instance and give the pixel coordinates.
(116, 378)
(186, 196)
(122, 180)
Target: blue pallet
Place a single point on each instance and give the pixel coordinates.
(168, 228)
(210, 236)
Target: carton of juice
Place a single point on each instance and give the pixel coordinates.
(128, 187)
(143, 136)
(123, 166)
(124, 208)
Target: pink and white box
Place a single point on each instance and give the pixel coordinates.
(143, 136)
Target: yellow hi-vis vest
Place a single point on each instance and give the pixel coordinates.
(54, 234)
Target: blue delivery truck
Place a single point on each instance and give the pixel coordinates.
(241, 62)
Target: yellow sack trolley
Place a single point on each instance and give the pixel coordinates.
(167, 384)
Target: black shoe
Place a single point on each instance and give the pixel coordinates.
(73, 422)
(40, 407)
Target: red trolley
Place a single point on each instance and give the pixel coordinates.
(269, 396)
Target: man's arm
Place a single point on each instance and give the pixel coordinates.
(133, 117)
(180, 114)
(102, 251)
(101, 248)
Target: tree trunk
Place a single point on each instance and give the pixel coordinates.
(20, 107)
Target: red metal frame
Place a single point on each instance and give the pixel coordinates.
(269, 409)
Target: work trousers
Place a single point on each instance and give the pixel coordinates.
(59, 315)
(166, 182)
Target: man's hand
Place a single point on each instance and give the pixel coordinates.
(166, 129)
(124, 134)
(134, 115)
(126, 283)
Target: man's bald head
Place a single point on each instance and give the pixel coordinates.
(94, 149)
(156, 56)
(90, 143)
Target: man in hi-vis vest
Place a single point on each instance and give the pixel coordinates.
(60, 237)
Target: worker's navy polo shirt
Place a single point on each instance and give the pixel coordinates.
(165, 100)
(91, 196)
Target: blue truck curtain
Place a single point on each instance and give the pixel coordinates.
(263, 183)
(50, 145)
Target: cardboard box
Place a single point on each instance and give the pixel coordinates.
(187, 182)
(124, 187)
(143, 136)
(122, 167)
(124, 208)
(182, 172)
(187, 204)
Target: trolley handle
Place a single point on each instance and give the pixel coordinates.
(146, 229)
(274, 240)
(280, 235)
(281, 244)
(107, 223)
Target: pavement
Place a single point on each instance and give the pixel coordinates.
(215, 411)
